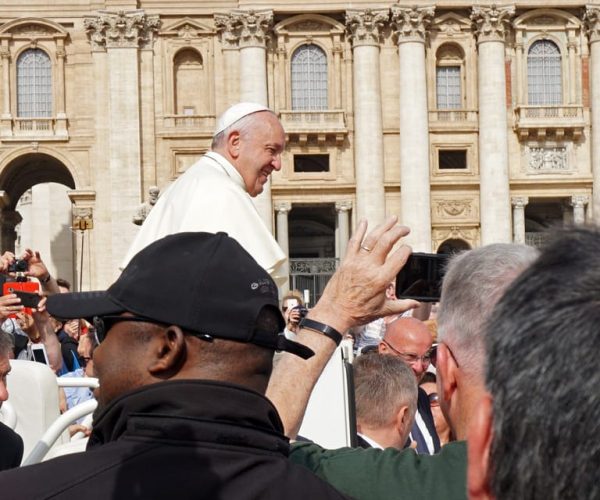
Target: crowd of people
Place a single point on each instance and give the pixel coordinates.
(191, 403)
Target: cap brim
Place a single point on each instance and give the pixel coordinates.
(82, 305)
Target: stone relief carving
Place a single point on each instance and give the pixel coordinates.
(308, 25)
(365, 27)
(226, 25)
(33, 30)
(144, 209)
(454, 208)
(545, 20)
(591, 19)
(491, 23)
(547, 159)
(411, 23)
(121, 29)
(440, 235)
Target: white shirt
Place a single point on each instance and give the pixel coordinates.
(211, 197)
(373, 444)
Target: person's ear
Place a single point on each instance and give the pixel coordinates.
(233, 144)
(404, 421)
(382, 348)
(446, 368)
(169, 351)
(478, 451)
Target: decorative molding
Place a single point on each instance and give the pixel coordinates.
(579, 200)
(187, 29)
(365, 27)
(519, 201)
(454, 208)
(491, 23)
(591, 20)
(343, 206)
(308, 25)
(468, 234)
(410, 24)
(244, 28)
(282, 206)
(547, 159)
(133, 29)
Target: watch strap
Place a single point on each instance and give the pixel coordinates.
(326, 330)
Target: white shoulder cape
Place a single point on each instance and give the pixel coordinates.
(210, 196)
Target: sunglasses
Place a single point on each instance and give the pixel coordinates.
(102, 324)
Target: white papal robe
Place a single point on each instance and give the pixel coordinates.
(211, 197)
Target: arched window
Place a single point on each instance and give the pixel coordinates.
(544, 80)
(34, 84)
(309, 78)
(449, 63)
(189, 82)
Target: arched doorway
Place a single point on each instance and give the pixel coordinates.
(36, 211)
(453, 245)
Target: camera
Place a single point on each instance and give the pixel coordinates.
(302, 310)
(18, 266)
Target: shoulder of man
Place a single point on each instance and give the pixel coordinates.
(11, 448)
(390, 473)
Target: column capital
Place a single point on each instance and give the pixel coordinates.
(365, 27)
(491, 23)
(579, 200)
(245, 28)
(131, 29)
(4, 53)
(519, 201)
(282, 206)
(410, 24)
(591, 20)
(343, 206)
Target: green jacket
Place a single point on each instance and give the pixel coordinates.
(369, 474)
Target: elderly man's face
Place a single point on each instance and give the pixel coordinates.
(260, 152)
(4, 369)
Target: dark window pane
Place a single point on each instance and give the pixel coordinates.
(455, 159)
(311, 163)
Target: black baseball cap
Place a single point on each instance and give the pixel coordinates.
(202, 282)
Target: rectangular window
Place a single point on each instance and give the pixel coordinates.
(448, 87)
(452, 159)
(311, 163)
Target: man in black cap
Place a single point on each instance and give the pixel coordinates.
(187, 334)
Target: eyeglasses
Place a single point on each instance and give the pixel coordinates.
(411, 358)
(102, 324)
(434, 399)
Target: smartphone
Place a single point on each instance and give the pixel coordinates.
(421, 277)
(25, 290)
(37, 352)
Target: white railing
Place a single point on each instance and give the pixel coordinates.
(34, 126)
(536, 113)
(189, 121)
(453, 116)
(324, 121)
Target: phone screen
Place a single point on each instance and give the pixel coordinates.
(39, 354)
(421, 277)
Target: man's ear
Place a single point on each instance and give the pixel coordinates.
(382, 348)
(447, 375)
(478, 451)
(404, 421)
(233, 144)
(169, 349)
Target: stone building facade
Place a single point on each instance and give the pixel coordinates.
(472, 122)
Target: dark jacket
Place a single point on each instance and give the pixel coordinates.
(68, 348)
(177, 439)
(11, 448)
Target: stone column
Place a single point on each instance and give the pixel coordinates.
(491, 28)
(519, 203)
(5, 115)
(61, 117)
(252, 30)
(592, 23)
(572, 47)
(227, 27)
(410, 26)
(122, 35)
(282, 209)
(578, 202)
(85, 272)
(365, 29)
(343, 222)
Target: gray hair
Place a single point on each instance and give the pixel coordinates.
(474, 281)
(542, 373)
(6, 343)
(383, 383)
(244, 126)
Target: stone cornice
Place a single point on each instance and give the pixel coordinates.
(245, 28)
(491, 23)
(133, 29)
(365, 27)
(410, 24)
(591, 19)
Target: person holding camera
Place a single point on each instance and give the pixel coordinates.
(293, 309)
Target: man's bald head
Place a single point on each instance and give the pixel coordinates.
(410, 339)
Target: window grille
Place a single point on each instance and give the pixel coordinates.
(309, 78)
(544, 79)
(34, 84)
(448, 87)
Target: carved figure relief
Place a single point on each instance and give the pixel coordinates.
(445, 210)
(121, 29)
(548, 159)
